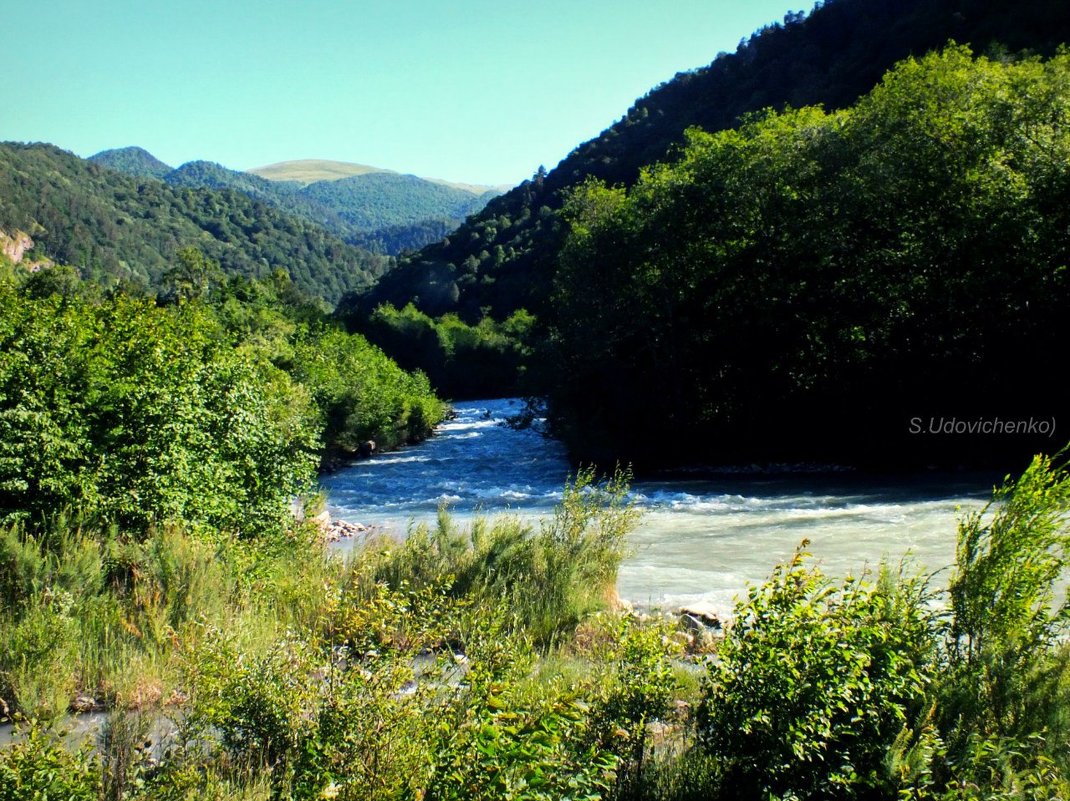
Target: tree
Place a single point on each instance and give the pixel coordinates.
(192, 276)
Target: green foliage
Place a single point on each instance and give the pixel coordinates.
(1008, 655)
(815, 681)
(35, 668)
(523, 750)
(124, 758)
(140, 414)
(81, 610)
(116, 228)
(135, 161)
(782, 286)
(191, 277)
(360, 393)
(636, 691)
(257, 705)
(461, 360)
(40, 767)
(396, 240)
(214, 409)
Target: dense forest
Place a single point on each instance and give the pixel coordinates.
(505, 257)
(377, 210)
(115, 228)
(135, 161)
(806, 285)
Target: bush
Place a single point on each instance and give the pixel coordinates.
(1009, 677)
(140, 415)
(815, 681)
(38, 766)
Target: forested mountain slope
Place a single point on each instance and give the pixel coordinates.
(504, 257)
(113, 226)
(879, 285)
(374, 209)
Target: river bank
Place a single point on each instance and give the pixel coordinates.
(704, 535)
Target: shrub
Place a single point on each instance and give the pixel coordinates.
(38, 766)
(815, 681)
(1008, 628)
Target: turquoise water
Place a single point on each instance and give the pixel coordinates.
(702, 538)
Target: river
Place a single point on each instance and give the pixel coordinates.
(702, 539)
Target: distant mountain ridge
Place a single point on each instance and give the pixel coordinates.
(369, 207)
(132, 160)
(309, 171)
(116, 227)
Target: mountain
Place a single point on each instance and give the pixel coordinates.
(504, 257)
(377, 200)
(380, 209)
(113, 226)
(878, 286)
(285, 196)
(209, 175)
(309, 171)
(134, 161)
(374, 209)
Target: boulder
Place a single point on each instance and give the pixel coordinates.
(699, 618)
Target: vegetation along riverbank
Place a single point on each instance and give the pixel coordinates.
(490, 663)
(149, 566)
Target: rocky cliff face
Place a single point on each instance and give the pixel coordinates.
(14, 246)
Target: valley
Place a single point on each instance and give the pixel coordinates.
(324, 480)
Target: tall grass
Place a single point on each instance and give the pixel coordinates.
(549, 574)
(88, 617)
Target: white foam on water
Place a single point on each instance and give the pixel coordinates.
(701, 539)
(380, 462)
(467, 425)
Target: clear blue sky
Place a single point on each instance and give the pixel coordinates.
(481, 91)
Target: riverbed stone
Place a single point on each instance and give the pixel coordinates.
(342, 530)
(86, 703)
(698, 617)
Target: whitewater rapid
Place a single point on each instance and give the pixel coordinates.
(702, 538)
